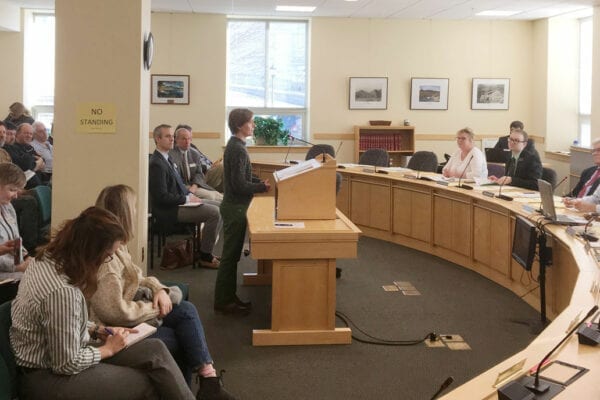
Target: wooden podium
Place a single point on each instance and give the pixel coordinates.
(300, 264)
(307, 190)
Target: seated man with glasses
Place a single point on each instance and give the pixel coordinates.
(524, 167)
(590, 177)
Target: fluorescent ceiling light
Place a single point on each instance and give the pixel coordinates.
(497, 13)
(295, 8)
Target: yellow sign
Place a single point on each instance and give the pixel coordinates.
(96, 118)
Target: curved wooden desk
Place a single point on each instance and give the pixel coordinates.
(475, 231)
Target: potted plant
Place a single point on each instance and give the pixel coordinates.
(270, 131)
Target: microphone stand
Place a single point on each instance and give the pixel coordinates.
(291, 139)
(461, 176)
(503, 196)
(443, 387)
(306, 142)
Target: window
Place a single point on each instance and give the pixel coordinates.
(38, 74)
(267, 64)
(585, 80)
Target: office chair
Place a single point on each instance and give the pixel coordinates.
(320, 149)
(495, 169)
(425, 161)
(549, 175)
(375, 157)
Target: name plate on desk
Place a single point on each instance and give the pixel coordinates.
(509, 373)
(488, 193)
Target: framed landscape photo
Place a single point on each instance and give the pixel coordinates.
(170, 89)
(490, 94)
(368, 93)
(429, 93)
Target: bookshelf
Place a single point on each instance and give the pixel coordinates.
(397, 140)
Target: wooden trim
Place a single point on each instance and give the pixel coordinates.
(558, 156)
(276, 149)
(333, 136)
(199, 135)
(478, 136)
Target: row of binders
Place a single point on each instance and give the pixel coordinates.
(387, 141)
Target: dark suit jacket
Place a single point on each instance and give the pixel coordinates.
(585, 176)
(165, 193)
(502, 144)
(23, 155)
(528, 171)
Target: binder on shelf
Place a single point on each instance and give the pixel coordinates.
(306, 190)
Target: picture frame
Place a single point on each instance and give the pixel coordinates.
(368, 93)
(170, 89)
(490, 94)
(429, 93)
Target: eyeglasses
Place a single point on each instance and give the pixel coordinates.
(460, 139)
(516, 140)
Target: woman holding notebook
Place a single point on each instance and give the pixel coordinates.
(125, 297)
(51, 335)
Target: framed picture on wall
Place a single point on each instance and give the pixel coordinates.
(429, 93)
(170, 89)
(490, 94)
(368, 93)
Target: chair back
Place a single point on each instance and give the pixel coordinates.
(495, 169)
(549, 175)
(375, 157)
(425, 161)
(8, 366)
(318, 149)
(43, 195)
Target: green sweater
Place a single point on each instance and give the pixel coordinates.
(238, 182)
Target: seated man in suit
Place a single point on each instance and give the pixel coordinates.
(168, 193)
(502, 143)
(212, 170)
(524, 168)
(11, 130)
(23, 154)
(590, 177)
(189, 164)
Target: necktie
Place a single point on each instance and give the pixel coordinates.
(180, 183)
(512, 166)
(589, 183)
(186, 168)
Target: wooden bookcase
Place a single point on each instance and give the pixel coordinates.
(397, 140)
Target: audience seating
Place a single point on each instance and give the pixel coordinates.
(43, 195)
(375, 157)
(8, 366)
(425, 161)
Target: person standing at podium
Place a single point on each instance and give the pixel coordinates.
(239, 188)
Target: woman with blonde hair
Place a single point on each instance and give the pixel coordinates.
(468, 162)
(125, 297)
(18, 114)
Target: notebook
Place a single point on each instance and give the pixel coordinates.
(549, 210)
(143, 331)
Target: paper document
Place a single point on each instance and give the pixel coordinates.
(144, 330)
(288, 225)
(298, 169)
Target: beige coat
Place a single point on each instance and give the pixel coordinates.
(118, 281)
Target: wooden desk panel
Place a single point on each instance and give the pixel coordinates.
(411, 215)
(452, 224)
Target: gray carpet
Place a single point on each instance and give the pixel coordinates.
(453, 300)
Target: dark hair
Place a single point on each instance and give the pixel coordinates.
(2, 123)
(525, 135)
(517, 125)
(81, 245)
(238, 117)
(119, 200)
(10, 174)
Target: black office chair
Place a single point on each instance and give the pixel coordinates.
(495, 169)
(549, 175)
(318, 149)
(375, 157)
(425, 161)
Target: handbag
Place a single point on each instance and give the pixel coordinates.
(177, 254)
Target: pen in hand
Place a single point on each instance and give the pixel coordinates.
(109, 331)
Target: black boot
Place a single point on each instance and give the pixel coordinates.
(212, 388)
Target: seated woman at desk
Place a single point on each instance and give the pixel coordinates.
(468, 161)
(119, 283)
(50, 333)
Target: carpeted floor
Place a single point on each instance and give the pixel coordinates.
(453, 300)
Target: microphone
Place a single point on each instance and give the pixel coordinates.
(443, 387)
(538, 387)
(300, 140)
(561, 182)
(338, 149)
(463, 173)
(516, 390)
(503, 196)
(291, 139)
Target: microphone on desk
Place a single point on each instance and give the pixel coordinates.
(515, 390)
(503, 196)
(291, 139)
(461, 176)
(443, 387)
(337, 151)
(308, 143)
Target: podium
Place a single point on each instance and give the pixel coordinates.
(307, 190)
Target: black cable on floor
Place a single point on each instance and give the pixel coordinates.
(378, 341)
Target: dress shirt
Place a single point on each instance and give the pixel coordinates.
(593, 198)
(472, 168)
(50, 322)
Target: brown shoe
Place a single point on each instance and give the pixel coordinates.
(232, 309)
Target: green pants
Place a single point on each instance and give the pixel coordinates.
(234, 232)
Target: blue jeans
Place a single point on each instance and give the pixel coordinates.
(183, 334)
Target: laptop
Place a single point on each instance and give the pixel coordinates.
(496, 155)
(549, 210)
